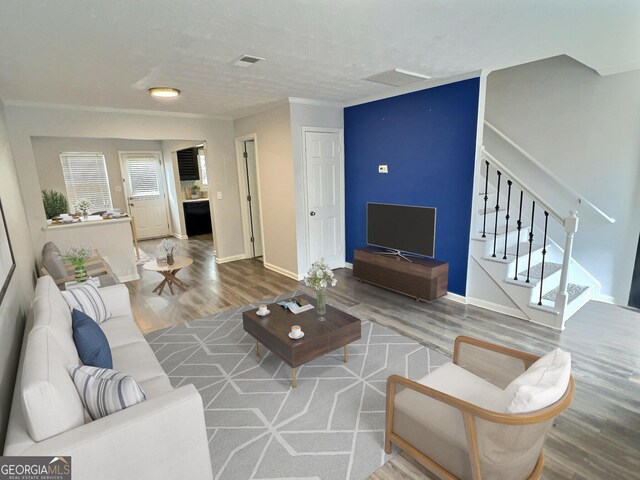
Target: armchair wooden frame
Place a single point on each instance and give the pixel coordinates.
(469, 412)
(96, 265)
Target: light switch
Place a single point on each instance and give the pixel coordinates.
(383, 169)
(219, 195)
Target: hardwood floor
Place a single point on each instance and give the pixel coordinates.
(598, 437)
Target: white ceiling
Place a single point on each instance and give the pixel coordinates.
(106, 53)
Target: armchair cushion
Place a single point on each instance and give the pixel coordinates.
(54, 265)
(542, 384)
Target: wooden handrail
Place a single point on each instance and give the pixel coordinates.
(581, 199)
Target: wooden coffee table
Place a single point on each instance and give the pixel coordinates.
(322, 334)
(169, 273)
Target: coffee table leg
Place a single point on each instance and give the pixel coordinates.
(257, 348)
(346, 353)
(293, 378)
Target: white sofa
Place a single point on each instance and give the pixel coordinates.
(163, 437)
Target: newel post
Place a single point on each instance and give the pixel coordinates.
(570, 228)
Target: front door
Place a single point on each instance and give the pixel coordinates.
(144, 184)
(325, 216)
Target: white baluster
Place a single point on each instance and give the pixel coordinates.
(570, 227)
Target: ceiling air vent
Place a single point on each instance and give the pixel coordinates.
(397, 77)
(246, 61)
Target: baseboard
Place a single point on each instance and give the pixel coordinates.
(496, 307)
(179, 236)
(233, 258)
(282, 271)
(348, 265)
(454, 297)
(129, 278)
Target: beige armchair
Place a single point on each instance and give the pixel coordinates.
(62, 272)
(454, 423)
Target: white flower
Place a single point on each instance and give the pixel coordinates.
(320, 275)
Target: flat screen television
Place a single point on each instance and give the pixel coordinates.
(402, 228)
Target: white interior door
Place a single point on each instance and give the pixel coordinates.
(144, 183)
(325, 219)
(253, 202)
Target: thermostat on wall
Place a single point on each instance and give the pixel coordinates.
(383, 169)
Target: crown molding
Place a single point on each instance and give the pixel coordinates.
(415, 87)
(125, 111)
(318, 103)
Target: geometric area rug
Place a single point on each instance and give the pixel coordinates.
(331, 427)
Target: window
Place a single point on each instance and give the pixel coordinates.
(85, 176)
(143, 178)
(202, 161)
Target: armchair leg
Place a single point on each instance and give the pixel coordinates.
(387, 444)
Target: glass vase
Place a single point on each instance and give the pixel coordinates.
(321, 305)
(80, 273)
(169, 258)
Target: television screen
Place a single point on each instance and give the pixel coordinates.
(402, 227)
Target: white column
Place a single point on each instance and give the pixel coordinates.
(570, 227)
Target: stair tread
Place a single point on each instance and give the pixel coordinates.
(522, 251)
(491, 209)
(535, 273)
(501, 230)
(573, 290)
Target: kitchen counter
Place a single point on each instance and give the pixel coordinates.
(192, 200)
(113, 238)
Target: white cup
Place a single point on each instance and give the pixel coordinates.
(64, 215)
(296, 331)
(262, 309)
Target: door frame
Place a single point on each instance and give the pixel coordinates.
(242, 190)
(163, 180)
(340, 133)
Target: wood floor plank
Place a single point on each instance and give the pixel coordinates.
(598, 437)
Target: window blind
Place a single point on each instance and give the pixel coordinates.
(85, 176)
(143, 175)
(203, 169)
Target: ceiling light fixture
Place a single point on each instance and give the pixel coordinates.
(164, 92)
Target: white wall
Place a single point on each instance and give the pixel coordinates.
(276, 186)
(585, 128)
(25, 121)
(305, 114)
(13, 309)
(46, 151)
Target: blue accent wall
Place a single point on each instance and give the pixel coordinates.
(428, 140)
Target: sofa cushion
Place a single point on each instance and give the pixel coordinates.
(91, 342)
(104, 391)
(542, 384)
(138, 360)
(87, 298)
(121, 330)
(50, 402)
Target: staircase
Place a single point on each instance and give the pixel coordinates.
(513, 242)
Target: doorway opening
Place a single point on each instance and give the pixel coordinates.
(250, 197)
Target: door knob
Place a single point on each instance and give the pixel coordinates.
(312, 213)
(131, 204)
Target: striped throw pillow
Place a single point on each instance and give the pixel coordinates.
(87, 299)
(104, 391)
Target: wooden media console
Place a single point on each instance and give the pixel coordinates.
(422, 278)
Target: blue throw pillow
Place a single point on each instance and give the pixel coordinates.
(91, 342)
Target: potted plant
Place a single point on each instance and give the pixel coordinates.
(320, 277)
(169, 247)
(195, 189)
(83, 205)
(78, 257)
(54, 203)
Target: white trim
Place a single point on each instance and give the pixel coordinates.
(606, 299)
(242, 195)
(496, 307)
(162, 181)
(179, 236)
(414, 87)
(628, 67)
(129, 278)
(454, 297)
(129, 111)
(233, 258)
(348, 265)
(283, 271)
(341, 207)
(317, 103)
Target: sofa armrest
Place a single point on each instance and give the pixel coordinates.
(117, 299)
(495, 363)
(160, 438)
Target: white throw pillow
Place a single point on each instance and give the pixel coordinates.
(87, 298)
(542, 384)
(104, 391)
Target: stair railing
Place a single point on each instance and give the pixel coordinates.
(569, 223)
